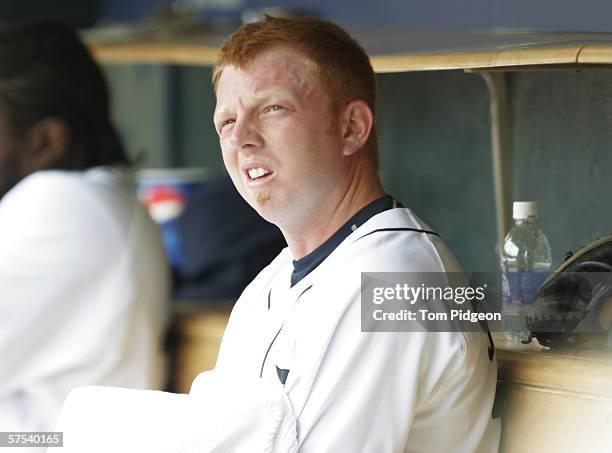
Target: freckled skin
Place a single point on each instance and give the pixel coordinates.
(292, 142)
(274, 114)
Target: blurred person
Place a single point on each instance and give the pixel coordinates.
(295, 116)
(83, 277)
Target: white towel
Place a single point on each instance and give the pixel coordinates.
(219, 415)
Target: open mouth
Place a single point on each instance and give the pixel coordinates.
(258, 173)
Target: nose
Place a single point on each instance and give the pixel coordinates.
(245, 135)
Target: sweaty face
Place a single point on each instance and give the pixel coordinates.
(280, 144)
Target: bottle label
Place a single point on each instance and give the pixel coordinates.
(521, 288)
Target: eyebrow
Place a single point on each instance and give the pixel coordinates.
(265, 96)
(260, 98)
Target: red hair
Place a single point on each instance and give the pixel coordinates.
(343, 67)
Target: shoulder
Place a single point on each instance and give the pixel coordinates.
(44, 185)
(56, 188)
(63, 204)
(42, 197)
(398, 241)
(279, 268)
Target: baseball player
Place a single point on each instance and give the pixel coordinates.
(295, 118)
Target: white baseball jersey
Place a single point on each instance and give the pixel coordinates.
(83, 292)
(355, 391)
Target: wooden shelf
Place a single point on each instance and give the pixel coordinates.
(163, 53)
(196, 332)
(577, 371)
(551, 401)
(391, 50)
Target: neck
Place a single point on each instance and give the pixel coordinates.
(338, 209)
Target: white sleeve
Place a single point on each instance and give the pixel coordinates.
(390, 392)
(50, 250)
(221, 414)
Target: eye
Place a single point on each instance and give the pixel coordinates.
(274, 108)
(224, 123)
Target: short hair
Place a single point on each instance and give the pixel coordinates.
(46, 71)
(343, 66)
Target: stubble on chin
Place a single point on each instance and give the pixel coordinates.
(261, 196)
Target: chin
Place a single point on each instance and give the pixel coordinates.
(266, 210)
(263, 208)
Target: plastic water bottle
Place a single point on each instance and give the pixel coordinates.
(525, 262)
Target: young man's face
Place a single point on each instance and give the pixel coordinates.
(281, 146)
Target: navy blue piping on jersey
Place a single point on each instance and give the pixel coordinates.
(399, 229)
(263, 362)
(282, 374)
(305, 265)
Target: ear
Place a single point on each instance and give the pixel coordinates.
(357, 122)
(47, 142)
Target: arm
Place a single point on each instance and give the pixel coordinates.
(396, 392)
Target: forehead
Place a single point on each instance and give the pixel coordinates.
(280, 68)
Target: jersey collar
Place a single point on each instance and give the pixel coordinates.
(305, 265)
